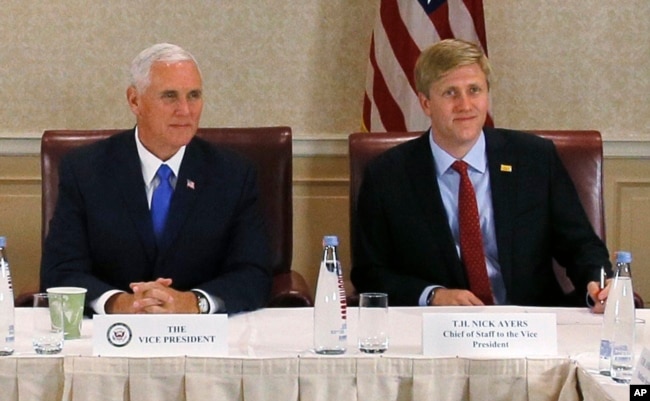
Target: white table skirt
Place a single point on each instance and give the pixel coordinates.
(269, 358)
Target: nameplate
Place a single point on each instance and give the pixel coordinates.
(641, 374)
(489, 334)
(160, 335)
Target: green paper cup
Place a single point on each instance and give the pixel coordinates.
(71, 300)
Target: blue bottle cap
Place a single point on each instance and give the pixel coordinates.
(3, 242)
(330, 240)
(623, 257)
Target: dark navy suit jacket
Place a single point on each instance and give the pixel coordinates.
(101, 235)
(402, 242)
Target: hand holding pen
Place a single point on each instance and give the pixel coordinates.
(602, 283)
(597, 292)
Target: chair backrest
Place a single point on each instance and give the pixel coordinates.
(580, 151)
(582, 155)
(269, 148)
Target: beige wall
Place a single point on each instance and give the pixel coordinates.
(64, 63)
(574, 64)
(20, 217)
(627, 211)
(558, 64)
(579, 64)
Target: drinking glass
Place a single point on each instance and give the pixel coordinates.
(47, 333)
(373, 322)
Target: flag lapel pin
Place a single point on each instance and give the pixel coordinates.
(190, 184)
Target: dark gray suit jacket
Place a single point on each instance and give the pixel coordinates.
(101, 235)
(402, 242)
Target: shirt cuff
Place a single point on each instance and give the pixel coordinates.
(589, 301)
(425, 294)
(216, 304)
(99, 304)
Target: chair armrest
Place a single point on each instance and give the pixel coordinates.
(638, 301)
(290, 290)
(24, 299)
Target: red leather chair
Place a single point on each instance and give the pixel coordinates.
(580, 151)
(270, 148)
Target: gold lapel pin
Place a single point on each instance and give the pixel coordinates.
(506, 168)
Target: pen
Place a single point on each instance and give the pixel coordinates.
(603, 277)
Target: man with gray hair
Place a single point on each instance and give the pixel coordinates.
(154, 219)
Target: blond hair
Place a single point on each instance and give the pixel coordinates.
(437, 60)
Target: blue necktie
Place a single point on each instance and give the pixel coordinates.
(161, 199)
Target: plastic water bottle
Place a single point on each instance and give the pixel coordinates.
(330, 309)
(620, 313)
(6, 303)
(604, 359)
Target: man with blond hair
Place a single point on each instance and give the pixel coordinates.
(414, 213)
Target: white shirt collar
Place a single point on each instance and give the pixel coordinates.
(476, 156)
(150, 163)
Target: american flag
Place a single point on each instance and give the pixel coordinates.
(403, 29)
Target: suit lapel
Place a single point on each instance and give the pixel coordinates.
(502, 163)
(126, 173)
(421, 171)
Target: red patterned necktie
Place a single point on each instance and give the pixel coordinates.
(471, 240)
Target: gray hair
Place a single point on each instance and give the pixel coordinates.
(141, 65)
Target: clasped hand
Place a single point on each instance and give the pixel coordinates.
(153, 297)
